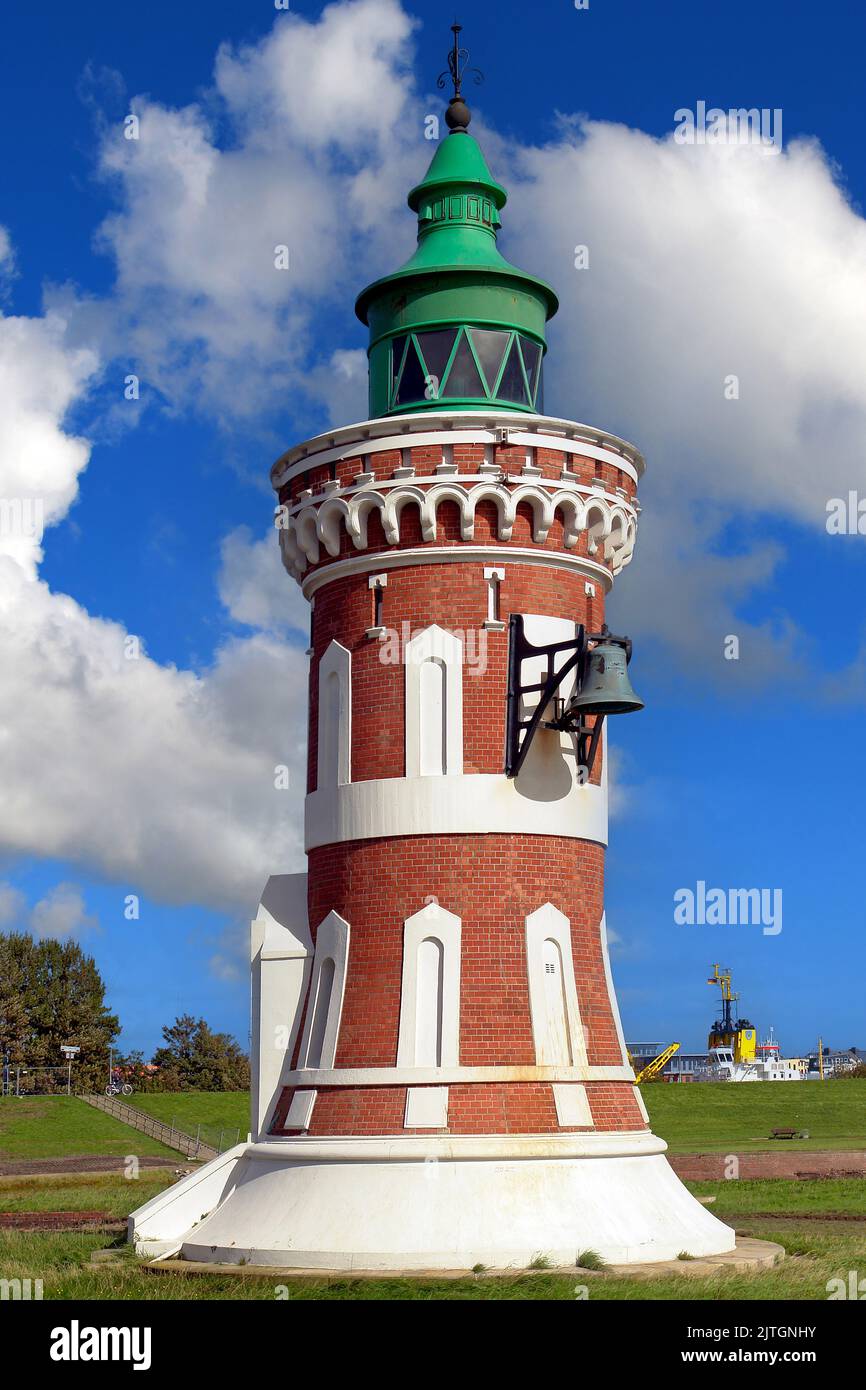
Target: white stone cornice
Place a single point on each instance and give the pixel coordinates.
(448, 427)
(610, 522)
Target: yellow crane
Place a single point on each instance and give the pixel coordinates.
(657, 1065)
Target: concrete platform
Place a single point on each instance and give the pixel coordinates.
(750, 1254)
(396, 1202)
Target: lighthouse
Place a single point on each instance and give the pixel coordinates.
(439, 1072)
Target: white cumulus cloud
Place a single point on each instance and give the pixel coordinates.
(706, 263)
(239, 217)
(159, 777)
(62, 915)
(253, 585)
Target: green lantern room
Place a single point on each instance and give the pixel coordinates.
(457, 326)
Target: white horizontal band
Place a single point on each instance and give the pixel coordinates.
(449, 1076)
(456, 554)
(476, 803)
(457, 427)
(401, 1148)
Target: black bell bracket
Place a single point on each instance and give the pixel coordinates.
(519, 733)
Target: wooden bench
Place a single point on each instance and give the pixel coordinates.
(784, 1134)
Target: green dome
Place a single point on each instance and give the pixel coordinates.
(457, 324)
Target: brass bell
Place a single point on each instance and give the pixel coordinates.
(606, 688)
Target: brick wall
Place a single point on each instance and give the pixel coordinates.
(455, 597)
(518, 1108)
(426, 458)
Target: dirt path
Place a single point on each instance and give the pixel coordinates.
(83, 1163)
(60, 1221)
(743, 1219)
(802, 1164)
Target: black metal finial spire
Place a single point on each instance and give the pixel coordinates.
(458, 115)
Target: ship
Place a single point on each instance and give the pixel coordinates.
(734, 1052)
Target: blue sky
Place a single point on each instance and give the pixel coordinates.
(143, 259)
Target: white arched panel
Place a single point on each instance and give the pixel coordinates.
(433, 733)
(556, 1027)
(434, 704)
(429, 1003)
(556, 1043)
(325, 999)
(334, 755)
(429, 1033)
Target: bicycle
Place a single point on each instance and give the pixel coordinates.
(113, 1089)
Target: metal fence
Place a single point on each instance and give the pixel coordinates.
(36, 1081)
(215, 1137)
(207, 1142)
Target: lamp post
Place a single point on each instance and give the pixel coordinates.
(69, 1051)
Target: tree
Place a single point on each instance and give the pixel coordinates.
(14, 1030)
(60, 999)
(195, 1058)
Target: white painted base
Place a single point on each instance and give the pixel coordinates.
(433, 1202)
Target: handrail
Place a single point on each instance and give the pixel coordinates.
(189, 1144)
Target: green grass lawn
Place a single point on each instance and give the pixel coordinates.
(228, 1111)
(813, 1196)
(817, 1251)
(56, 1126)
(814, 1257)
(716, 1117)
(111, 1193)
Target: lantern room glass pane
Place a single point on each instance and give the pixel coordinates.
(464, 378)
(436, 349)
(490, 348)
(397, 345)
(413, 381)
(512, 386)
(532, 362)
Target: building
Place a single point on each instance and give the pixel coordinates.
(836, 1061)
(440, 1074)
(681, 1067)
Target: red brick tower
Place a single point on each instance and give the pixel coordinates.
(440, 1076)
(473, 986)
(457, 523)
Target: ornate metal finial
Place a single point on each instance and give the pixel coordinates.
(458, 116)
